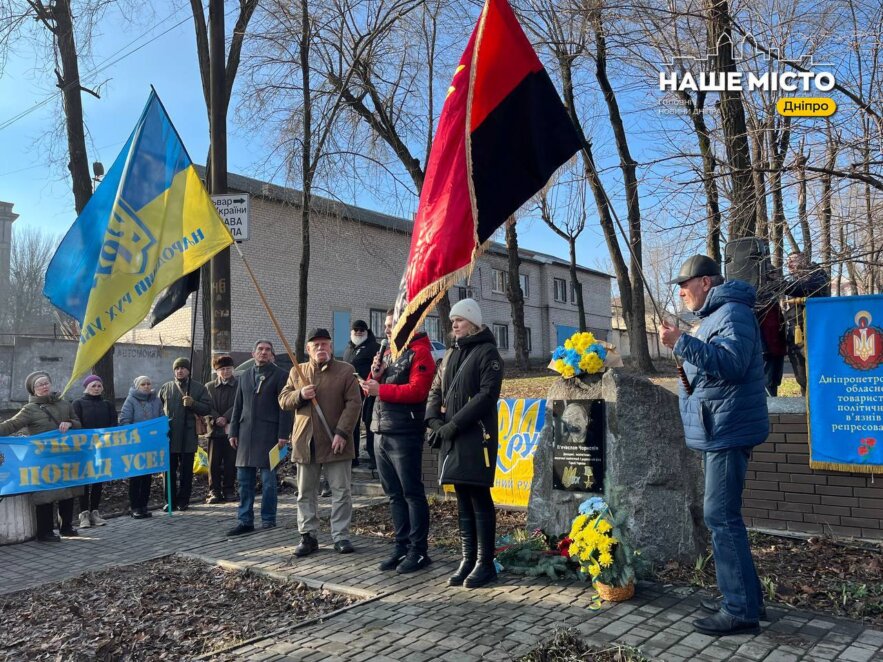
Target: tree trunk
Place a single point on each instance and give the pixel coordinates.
(604, 217)
(826, 211)
(638, 326)
(516, 297)
(709, 184)
(742, 214)
(759, 178)
(306, 186)
(577, 287)
(69, 82)
(805, 232)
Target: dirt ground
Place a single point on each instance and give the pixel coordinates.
(167, 609)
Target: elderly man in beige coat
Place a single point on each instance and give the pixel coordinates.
(326, 405)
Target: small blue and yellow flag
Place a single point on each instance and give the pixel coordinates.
(149, 223)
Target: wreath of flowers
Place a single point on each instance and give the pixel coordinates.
(597, 544)
(579, 354)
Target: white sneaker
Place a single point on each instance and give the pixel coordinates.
(97, 520)
(85, 522)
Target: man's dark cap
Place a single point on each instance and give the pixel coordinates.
(360, 325)
(698, 265)
(318, 332)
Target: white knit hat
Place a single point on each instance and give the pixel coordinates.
(467, 309)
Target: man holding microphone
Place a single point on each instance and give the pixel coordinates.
(401, 388)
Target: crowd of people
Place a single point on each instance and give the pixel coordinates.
(317, 410)
(731, 362)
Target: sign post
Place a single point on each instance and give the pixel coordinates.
(233, 210)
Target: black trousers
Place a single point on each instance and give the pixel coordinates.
(46, 515)
(182, 478)
(91, 497)
(798, 364)
(221, 466)
(139, 492)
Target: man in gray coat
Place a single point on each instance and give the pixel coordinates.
(183, 400)
(258, 424)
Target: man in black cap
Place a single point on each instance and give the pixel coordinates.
(724, 413)
(326, 406)
(221, 455)
(360, 352)
(183, 401)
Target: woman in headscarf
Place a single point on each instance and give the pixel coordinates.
(462, 414)
(141, 405)
(45, 411)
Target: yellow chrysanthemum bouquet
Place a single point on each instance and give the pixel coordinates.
(596, 542)
(579, 354)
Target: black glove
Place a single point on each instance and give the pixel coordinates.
(435, 423)
(447, 432)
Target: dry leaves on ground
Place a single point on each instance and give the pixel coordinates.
(818, 574)
(443, 528)
(568, 646)
(167, 609)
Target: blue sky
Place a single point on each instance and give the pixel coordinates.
(167, 60)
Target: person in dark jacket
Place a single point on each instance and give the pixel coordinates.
(183, 400)
(807, 279)
(94, 412)
(45, 411)
(724, 413)
(221, 454)
(401, 387)
(256, 425)
(141, 404)
(462, 414)
(360, 353)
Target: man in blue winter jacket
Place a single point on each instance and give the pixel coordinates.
(724, 413)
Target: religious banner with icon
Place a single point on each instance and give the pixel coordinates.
(578, 445)
(844, 350)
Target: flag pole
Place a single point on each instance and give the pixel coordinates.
(276, 325)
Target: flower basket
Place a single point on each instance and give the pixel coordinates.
(615, 593)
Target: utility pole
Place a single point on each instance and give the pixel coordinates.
(220, 263)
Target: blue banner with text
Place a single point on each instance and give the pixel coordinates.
(77, 457)
(844, 352)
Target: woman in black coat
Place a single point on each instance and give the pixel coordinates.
(462, 414)
(94, 412)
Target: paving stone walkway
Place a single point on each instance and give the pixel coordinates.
(417, 617)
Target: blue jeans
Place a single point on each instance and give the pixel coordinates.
(247, 478)
(736, 576)
(400, 467)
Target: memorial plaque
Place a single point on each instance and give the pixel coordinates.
(578, 434)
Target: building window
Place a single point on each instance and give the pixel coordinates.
(501, 333)
(499, 280)
(524, 279)
(465, 292)
(560, 286)
(378, 318)
(433, 328)
(527, 341)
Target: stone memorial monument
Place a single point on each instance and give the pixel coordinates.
(649, 474)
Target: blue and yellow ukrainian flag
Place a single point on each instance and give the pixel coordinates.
(149, 223)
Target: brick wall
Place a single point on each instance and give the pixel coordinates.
(783, 493)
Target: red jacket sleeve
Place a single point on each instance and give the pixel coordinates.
(419, 380)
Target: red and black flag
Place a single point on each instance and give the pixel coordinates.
(503, 131)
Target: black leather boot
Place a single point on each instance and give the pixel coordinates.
(485, 571)
(469, 547)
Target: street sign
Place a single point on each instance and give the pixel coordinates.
(233, 209)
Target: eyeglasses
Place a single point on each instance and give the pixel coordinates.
(41, 384)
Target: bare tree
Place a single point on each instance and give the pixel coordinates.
(57, 20)
(26, 310)
(516, 296)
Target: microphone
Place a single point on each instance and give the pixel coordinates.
(378, 360)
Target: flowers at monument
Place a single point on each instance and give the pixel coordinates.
(580, 354)
(598, 545)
